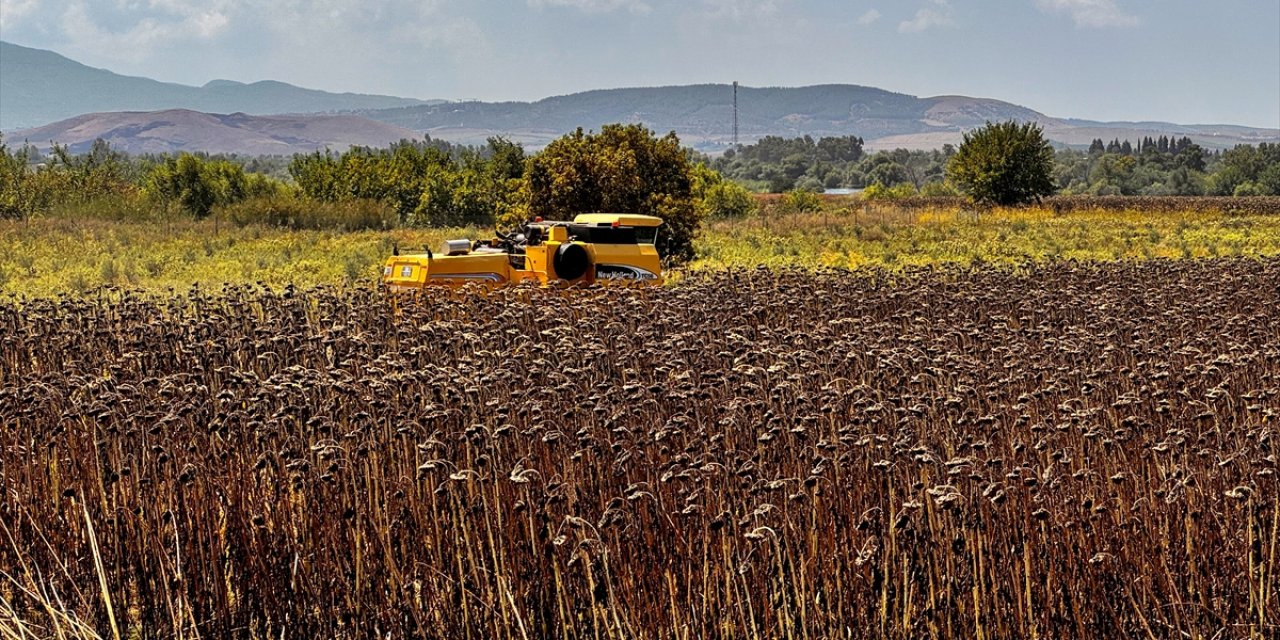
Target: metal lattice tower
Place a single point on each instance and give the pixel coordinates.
(735, 114)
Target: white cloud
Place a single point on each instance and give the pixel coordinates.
(595, 6)
(13, 11)
(1090, 13)
(134, 32)
(938, 14)
(176, 21)
(869, 17)
(458, 36)
(367, 46)
(743, 9)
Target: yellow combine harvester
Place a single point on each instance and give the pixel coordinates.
(595, 247)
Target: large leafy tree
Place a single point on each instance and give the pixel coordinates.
(622, 169)
(1005, 163)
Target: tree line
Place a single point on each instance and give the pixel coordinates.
(1153, 167)
(623, 168)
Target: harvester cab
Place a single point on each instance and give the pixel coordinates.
(595, 247)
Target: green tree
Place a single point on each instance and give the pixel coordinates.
(1186, 182)
(1248, 170)
(887, 171)
(1239, 166)
(318, 175)
(184, 180)
(100, 171)
(1245, 189)
(1111, 174)
(31, 184)
(1269, 178)
(878, 192)
(622, 169)
(15, 182)
(778, 180)
(197, 184)
(717, 197)
(841, 149)
(429, 183)
(435, 203)
(458, 197)
(1005, 163)
(801, 201)
(506, 159)
(1191, 157)
(938, 189)
(728, 200)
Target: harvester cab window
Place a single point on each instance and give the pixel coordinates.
(646, 235)
(603, 234)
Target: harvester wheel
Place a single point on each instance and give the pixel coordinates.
(571, 261)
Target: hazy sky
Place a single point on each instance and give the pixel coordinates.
(1189, 61)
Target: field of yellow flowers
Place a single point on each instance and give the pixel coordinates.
(44, 257)
(854, 237)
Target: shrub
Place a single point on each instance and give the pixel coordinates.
(801, 201)
(810, 183)
(60, 179)
(130, 206)
(198, 185)
(1246, 189)
(939, 189)
(306, 213)
(878, 192)
(728, 200)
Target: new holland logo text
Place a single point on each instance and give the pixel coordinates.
(623, 272)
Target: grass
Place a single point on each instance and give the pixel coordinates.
(51, 256)
(46, 257)
(887, 237)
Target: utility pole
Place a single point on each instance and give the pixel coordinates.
(735, 115)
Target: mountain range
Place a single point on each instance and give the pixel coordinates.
(176, 130)
(703, 117)
(41, 87)
(38, 87)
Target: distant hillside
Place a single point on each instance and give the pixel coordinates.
(699, 113)
(38, 87)
(183, 130)
(702, 115)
